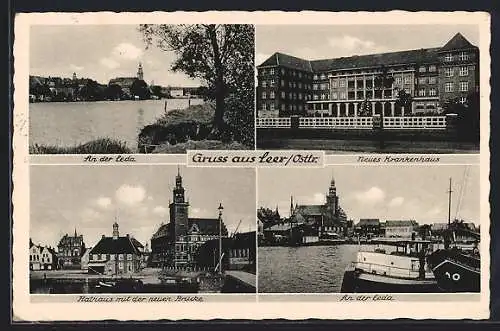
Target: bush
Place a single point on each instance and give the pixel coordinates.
(98, 146)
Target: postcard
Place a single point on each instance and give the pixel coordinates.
(251, 165)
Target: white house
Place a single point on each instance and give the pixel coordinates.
(177, 93)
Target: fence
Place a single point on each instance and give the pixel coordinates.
(405, 122)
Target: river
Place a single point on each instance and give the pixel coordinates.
(67, 124)
(307, 269)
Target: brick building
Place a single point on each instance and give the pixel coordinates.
(176, 243)
(70, 251)
(347, 86)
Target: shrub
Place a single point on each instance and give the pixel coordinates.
(98, 146)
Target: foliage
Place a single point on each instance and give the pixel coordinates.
(181, 148)
(140, 89)
(99, 146)
(113, 92)
(468, 115)
(223, 57)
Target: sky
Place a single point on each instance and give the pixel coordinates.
(100, 52)
(331, 41)
(385, 192)
(63, 198)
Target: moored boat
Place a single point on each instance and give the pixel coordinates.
(402, 271)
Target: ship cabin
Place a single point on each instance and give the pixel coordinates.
(399, 259)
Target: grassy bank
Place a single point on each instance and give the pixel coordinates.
(183, 129)
(98, 146)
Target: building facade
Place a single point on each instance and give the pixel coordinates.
(70, 251)
(401, 229)
(116, 255)
(176, 243)
(42, 257)
(329, 218)
(350, 86)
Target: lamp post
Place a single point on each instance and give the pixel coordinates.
(220, 237)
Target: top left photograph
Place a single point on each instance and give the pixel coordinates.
(116, 89)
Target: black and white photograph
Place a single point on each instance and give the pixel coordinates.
(368, 88)
(142, 229)
(368, 229)
(140, 88)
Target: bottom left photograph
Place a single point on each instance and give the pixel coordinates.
(142, 229)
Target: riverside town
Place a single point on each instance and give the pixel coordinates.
(418, 100)
(143, 94)
(185, 255)
(336, 253)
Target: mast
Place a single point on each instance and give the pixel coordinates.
(449, 205)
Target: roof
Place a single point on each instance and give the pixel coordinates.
(400, 223)
(207, 225)
(423, 55)
(310, 209)
(279, 227)
(162, 231)
(136, 243)
(456, 43)
(369, 221)
(121, 245)
(287, 61)
(122, 81)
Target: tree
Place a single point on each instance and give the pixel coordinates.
(220, 55)
(113, 92)
(404, 100)
(140, 88)
(156, 90)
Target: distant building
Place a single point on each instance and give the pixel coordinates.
(328, 218)
(369, 227)
(176, 243)
(239, 253)
(70, 250)
(116, 255)
(176, 93)
(126, 82)
(42, 257)
(400, 229)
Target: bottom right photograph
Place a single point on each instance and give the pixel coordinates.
(369, 229)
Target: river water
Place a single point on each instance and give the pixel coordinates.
(307, 269)
(67, 124)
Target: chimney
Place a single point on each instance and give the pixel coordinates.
(128, 236)
(103, 236)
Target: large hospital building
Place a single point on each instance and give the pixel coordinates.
(347, 86)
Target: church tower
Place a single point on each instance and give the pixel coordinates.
(332, 200)
(140, 73)
(179, 208)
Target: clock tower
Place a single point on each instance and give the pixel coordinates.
(179, 208)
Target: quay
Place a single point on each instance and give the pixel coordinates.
(239, 281)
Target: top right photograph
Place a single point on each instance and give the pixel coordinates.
(368, 88)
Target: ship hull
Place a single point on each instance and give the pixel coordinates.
(455, 272)
(355, 281)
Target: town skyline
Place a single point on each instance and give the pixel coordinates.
(102, 52)
(387, 193)
(135, 197)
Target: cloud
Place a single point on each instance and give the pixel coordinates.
(353, 45)
(127, 51)
(160, 210)
(74, 67)
(89, 215)
(109, 63)
(104, 202)
(396, 202)
(130, 195)
(371, 196)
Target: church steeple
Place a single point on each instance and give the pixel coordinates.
(140, 73)
(178, 190)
